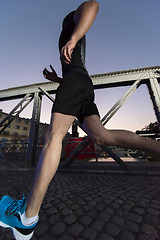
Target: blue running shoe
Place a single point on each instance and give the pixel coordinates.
(10, 217)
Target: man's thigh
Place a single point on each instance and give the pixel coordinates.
(60, 123)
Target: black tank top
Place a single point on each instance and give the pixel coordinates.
(78, 56)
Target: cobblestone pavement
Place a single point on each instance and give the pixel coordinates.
(91, 206)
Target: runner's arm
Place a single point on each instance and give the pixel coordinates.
(84, 17)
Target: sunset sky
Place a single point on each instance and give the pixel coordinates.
(125, 35)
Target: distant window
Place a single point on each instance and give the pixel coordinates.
(15, 133)
(16, 126)
(18, 120)
(24, 134)
(26, 122)
(41, 129)
(6, 132)
(25, 128)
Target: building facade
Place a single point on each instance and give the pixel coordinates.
(19, 129)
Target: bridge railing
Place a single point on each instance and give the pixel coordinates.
(14, 149)
(134, 78)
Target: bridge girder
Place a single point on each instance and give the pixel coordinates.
(107, 80)
(134, 77)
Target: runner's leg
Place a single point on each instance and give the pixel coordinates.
(48, 161)
(122, 138)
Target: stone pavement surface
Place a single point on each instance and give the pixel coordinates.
(93, 206)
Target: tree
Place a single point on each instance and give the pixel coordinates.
(152, 127)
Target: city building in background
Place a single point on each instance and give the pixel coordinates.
(19, 129)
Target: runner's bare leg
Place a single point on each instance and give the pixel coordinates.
(122, 138)
(48, 161)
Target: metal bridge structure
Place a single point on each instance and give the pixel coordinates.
(134, 78)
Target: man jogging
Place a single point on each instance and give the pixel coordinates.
(74, 98)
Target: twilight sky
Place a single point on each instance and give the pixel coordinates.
(125, 35)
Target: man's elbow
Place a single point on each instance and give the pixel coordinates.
(95, 4)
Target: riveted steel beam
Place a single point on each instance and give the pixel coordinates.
(33, 136)
(154, 90)
(106, 80)
(15, 111)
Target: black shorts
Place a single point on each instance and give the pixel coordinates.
(75, 96)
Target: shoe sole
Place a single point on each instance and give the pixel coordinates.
(16, 234)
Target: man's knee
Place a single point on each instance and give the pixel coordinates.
(102, 138)
(54, 135)
(52, 139)
(99, 140)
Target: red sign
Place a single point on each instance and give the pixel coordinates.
(88, 152)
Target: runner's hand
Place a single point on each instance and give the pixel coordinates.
(66, 52)
(52, 76)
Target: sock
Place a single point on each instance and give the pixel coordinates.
(28, 221)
